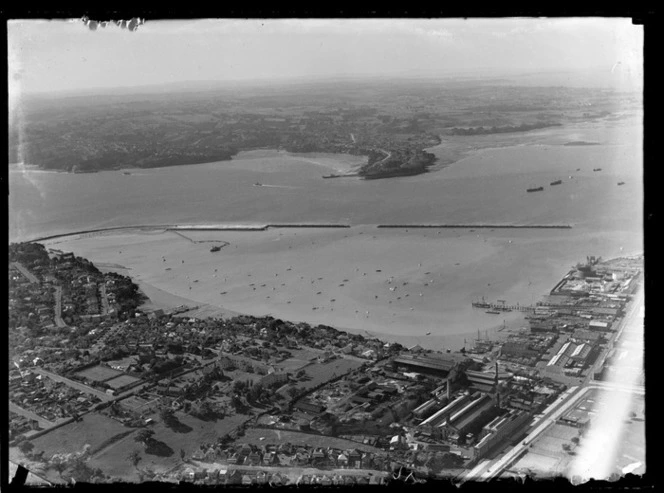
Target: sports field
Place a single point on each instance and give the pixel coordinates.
(122, 381)
(99, 373)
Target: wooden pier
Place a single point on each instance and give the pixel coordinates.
(502, 307)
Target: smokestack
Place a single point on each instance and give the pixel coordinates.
(496, 383)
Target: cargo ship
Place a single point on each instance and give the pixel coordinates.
(331, 176)
(538, 189)
(481, 304)
(557, 182)
(597, 169)
(621, 183)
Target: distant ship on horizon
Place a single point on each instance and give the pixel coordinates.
(557, 182)
(621, 183)
(258, 184)
(538, 189)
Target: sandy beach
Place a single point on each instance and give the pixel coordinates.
(341, 163)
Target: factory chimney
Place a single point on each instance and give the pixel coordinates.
(496, 387)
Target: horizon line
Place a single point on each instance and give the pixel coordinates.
(484, 72)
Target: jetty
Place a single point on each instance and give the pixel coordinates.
(501, 306)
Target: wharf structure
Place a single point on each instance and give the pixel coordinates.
(501, 306)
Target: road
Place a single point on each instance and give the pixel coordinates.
(23, 270)
(44, 423)
(388, 155)
(489, 469)
(58, 307)
(632, 321)
(296, 471)
(31, 480)
(104, 299)
(76, 385)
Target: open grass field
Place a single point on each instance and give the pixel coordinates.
(291, 365)
(93, 429)
(541, 465)
(140, 404)
(121, 381)
(320, 373)
(299, 358)
(547, 456)
(563, 432)
(632, 449)
(99, 373)
(111, 442)
(253, 437)
(192, 433)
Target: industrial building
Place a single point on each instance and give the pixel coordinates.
(464, 413)
(518, 350)
(309, 407)
(446, 411)
(578, 353)
(599, 325)
(502, 428)
(440, 365)
(486, 381)
(467, 417)
(429, 406)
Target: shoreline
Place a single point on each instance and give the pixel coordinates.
(161, 299)
(392, 296)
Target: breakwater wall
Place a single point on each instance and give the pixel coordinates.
(98, 230)
(308, 225)
(154, 227)
(175, 228)
(264, 227)
(229, 227)
(478, 226)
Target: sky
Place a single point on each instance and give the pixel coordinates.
(66, 55)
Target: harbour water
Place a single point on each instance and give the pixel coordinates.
(488, 186)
